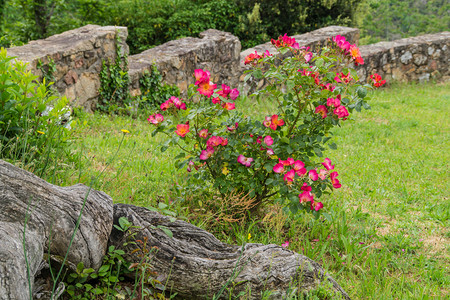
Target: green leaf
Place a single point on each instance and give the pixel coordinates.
(88, 287)
(362, 92)
(328, 217)
(124, 223)
(318, 152)
(268, 167)
(284, 140)
(119, 252)
(332, 146)
(289, 149)
(354, 74)
(257, 74)
(319, 62)
(166, 230)
(180, 155)
(103, 269)
(118, 228)
(80, 266)
(97, 291)
(290, 84)
(293, 208)
(88, 271)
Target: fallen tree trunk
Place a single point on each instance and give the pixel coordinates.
(197, 265)
(37, 217)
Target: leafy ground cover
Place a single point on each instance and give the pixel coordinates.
(386, 232)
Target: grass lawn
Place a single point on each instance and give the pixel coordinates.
(388, 234)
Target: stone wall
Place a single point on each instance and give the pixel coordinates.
(418, 58)
(78, 56)
(215, 51)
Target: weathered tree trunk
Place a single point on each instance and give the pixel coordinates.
(197, 265)
(51, 213)
(193, 263)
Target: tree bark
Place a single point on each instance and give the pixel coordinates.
(197, 265)
(51, 213)
(37, 217)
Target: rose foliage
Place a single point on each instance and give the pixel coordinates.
(280, 156)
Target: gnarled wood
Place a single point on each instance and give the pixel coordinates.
(52, 213)
(197, 265)
(193, 263)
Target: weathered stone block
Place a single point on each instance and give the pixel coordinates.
(215, 50)
(74, 49)
(426, 52)
(420, 59)
(86, 90)
(71, 77)
(406, 57)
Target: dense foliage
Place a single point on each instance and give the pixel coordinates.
(381, 20)
(33, 122)
(152, 22)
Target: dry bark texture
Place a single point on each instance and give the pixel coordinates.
(197, 265)
(52, 213)
(193, 263)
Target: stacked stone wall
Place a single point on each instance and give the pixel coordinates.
(78, 56)
(420, 58)
(215, 51)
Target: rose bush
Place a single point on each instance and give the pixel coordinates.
(277, 158)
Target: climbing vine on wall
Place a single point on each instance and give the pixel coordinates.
(114, 81)
(153, 91)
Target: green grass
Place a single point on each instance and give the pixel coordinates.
(387, 236)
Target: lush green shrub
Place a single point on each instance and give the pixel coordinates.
(31, 119)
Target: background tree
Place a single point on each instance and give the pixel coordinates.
(393, 19)
(153, 22)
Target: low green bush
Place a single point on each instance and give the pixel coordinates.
(34, 124)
